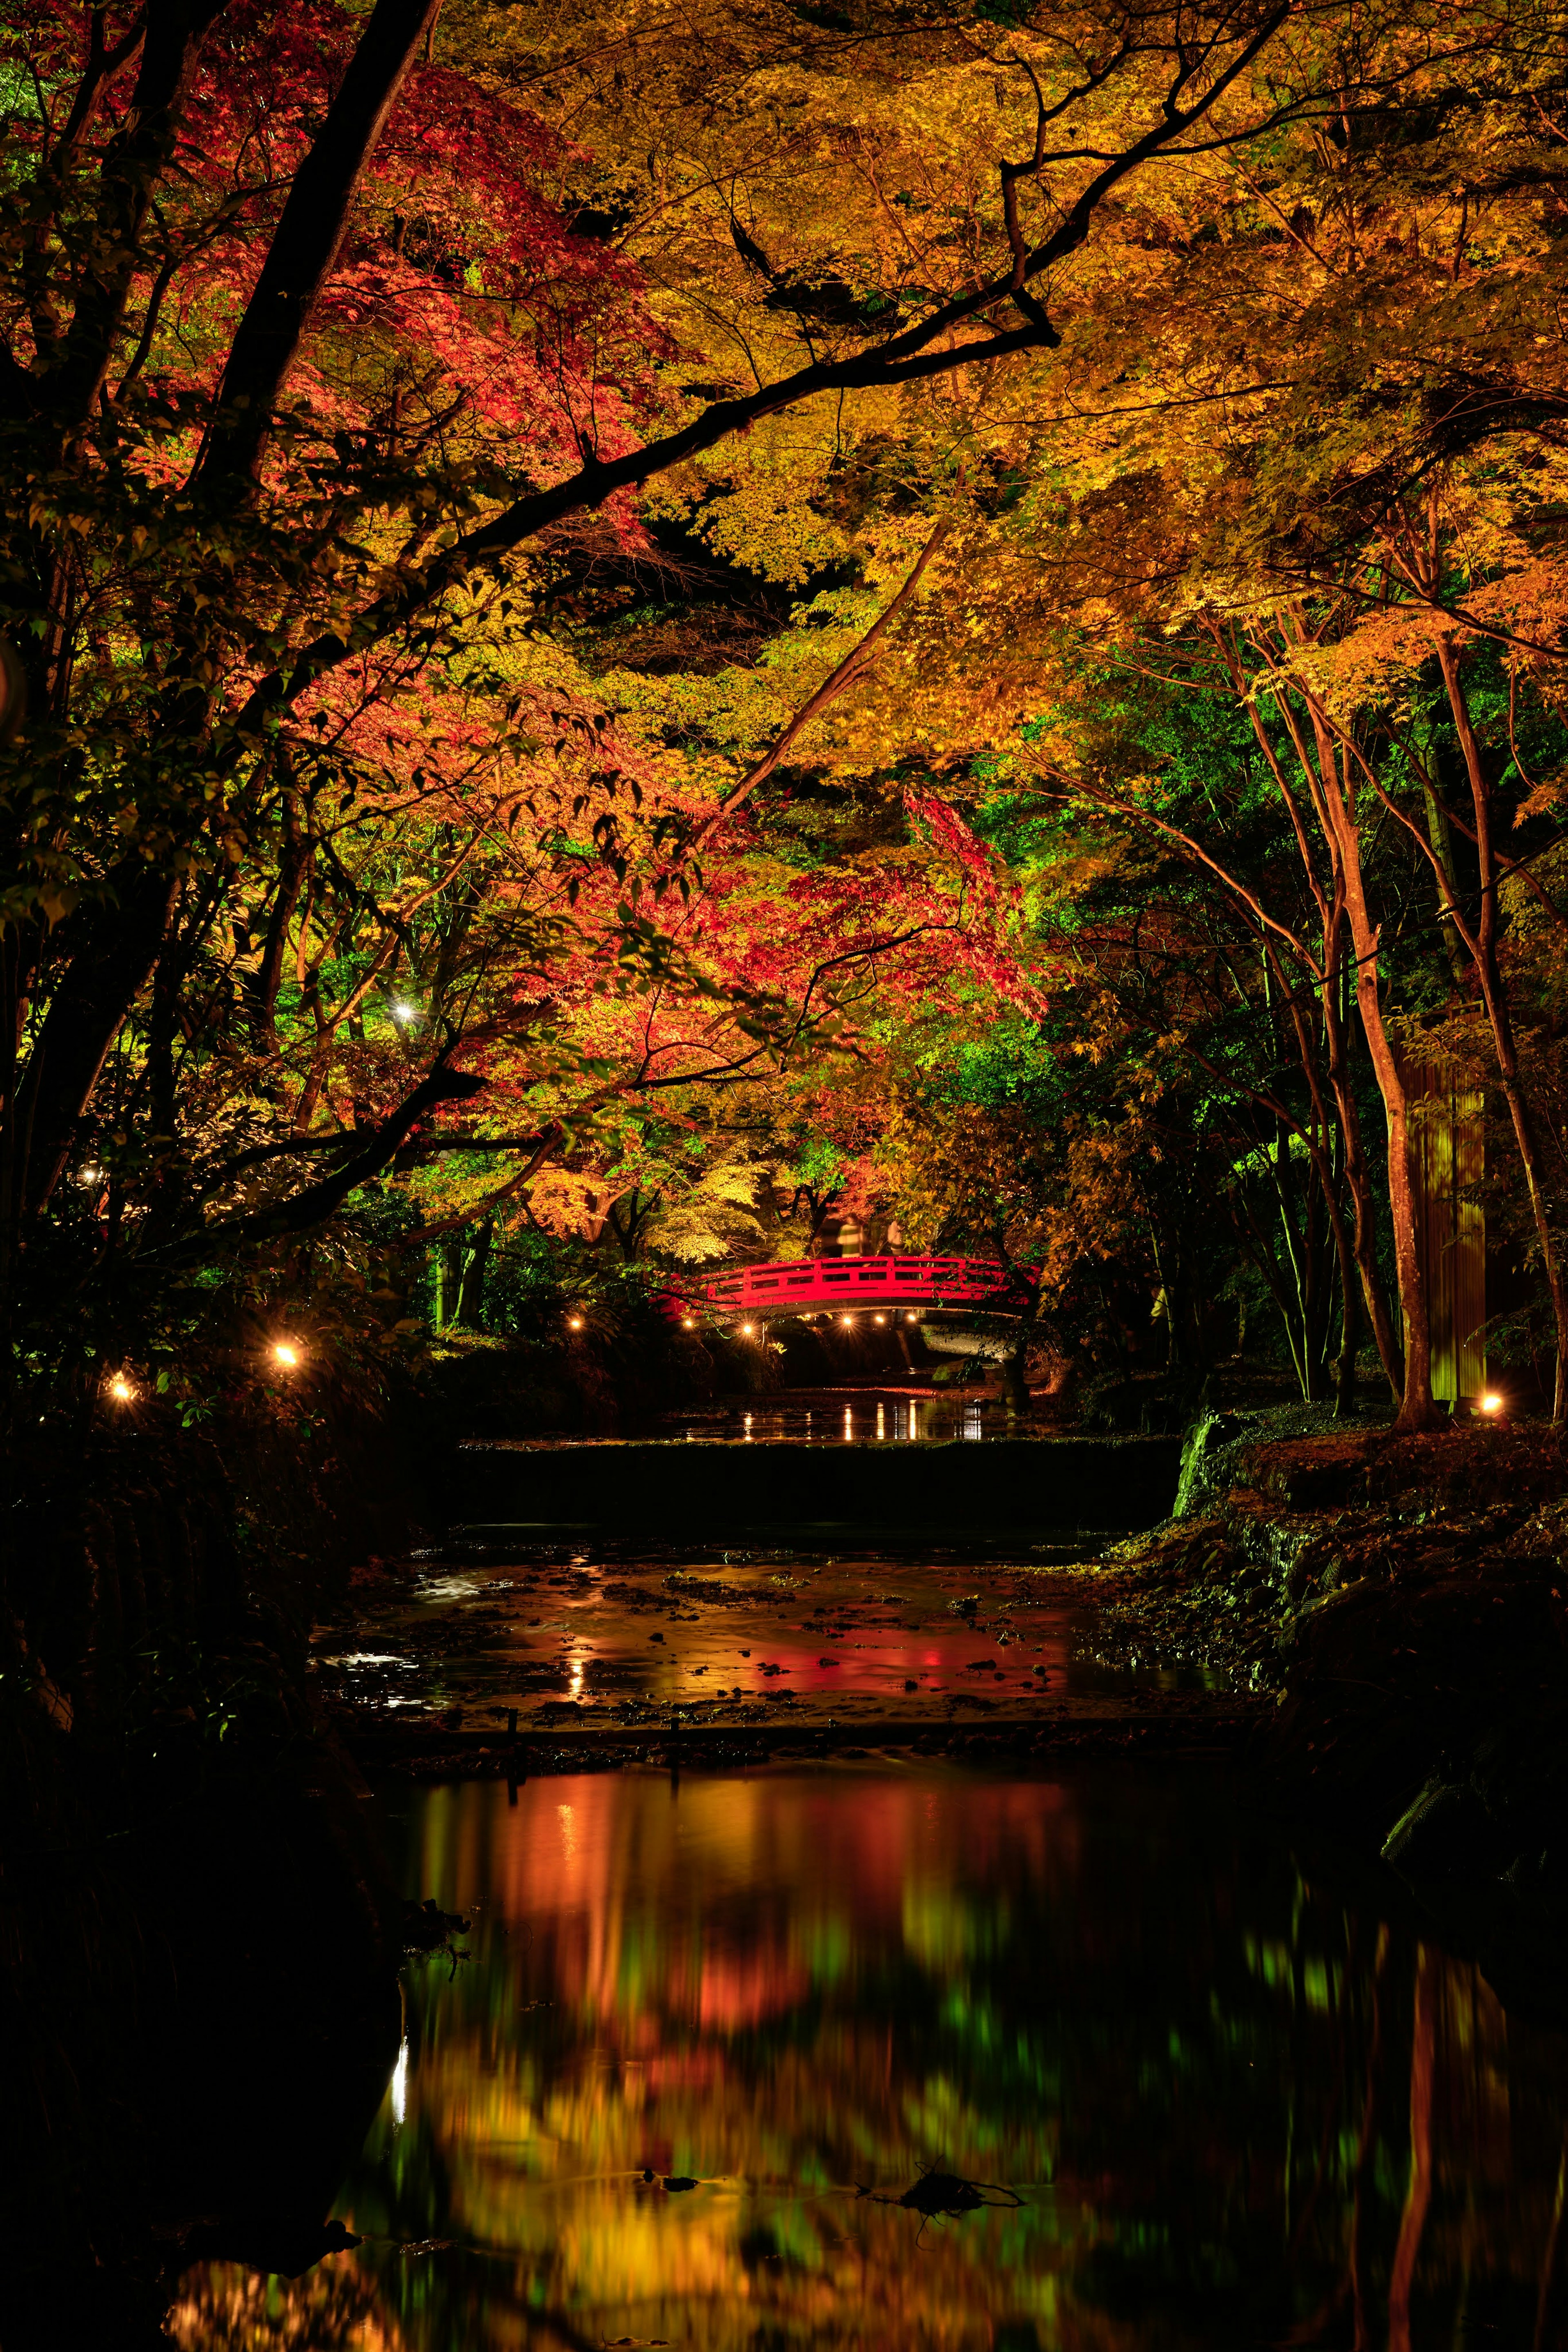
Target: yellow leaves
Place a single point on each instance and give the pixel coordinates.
(764, 520)
(1551, 791)
(54, 901)
(709, 1216)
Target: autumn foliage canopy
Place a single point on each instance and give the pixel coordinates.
(629, 627)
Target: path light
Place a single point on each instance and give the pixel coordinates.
(749, 1330)
(879, 1319)
(574, 1322)
(687, 1324)
(89, 1175)
(286, 1355)
(122, 1390)
(848, 1322)
(1491, 1401)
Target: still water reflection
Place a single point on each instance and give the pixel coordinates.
(850, 1416)
(1237, 2107)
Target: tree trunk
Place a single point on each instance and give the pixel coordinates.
(1494, 992)
(1358, 1259)
(114, 949)
(306, 241)
(445, 1268)
(1358, 1177)
(293, 864)
(471, 1283)
(1416, 1409)
(1440, 833)
(1331, 914)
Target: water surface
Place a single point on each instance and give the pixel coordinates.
(851, 1415)
(1234, 2103)
(622, 1635)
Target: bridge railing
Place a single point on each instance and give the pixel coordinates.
(793, 1282)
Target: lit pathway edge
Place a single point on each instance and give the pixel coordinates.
(802, 1285)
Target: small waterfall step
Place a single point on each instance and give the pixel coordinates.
(1024, 1485)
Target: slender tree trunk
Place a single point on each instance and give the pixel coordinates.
(293, 864)
(1494, 992)
(1358, 1177)
(1440, 833)
(1357, 1260)
(1416, 1409)
(1331, 909)
(1350, 1301)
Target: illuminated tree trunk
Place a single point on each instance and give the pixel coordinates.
(1358, 1177)
(1416, 1409)
(1331, 902)
(1338, 813)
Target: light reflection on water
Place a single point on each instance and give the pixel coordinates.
(864, 1636)
(853, 1417)
(1237, 2108)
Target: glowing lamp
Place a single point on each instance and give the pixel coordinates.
(574, 1322)
(1491, 1401)
(749, 1330)
(879, 1319)
(848, 1322)
(89, 1175)
(687, 1324)
(284, 1355)
(121, 1390)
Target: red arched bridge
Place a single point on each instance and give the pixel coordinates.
(812, 1286)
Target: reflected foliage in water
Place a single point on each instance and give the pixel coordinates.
(1236, 2106)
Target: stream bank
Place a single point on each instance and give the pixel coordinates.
(1400, 1606)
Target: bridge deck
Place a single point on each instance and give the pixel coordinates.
(807, 1285)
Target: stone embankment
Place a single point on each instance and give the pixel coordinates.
(1401, 1606)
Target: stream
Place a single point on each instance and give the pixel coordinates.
(580, 1635)
(890, 2046)
(731, 2059)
